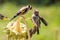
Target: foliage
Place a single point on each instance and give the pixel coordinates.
(44, 2)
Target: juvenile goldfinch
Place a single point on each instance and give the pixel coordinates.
(37, 20)
(22, 11)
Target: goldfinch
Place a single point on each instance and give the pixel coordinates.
(2, 17)
(22, 11)
(37, 20)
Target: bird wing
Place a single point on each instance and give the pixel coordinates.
(44, 21)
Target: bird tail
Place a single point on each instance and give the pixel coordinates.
(12, 18)
(15, 16)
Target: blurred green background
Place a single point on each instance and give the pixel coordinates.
(49, 10)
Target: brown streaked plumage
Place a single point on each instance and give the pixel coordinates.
(37, 20)
(37, 23)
